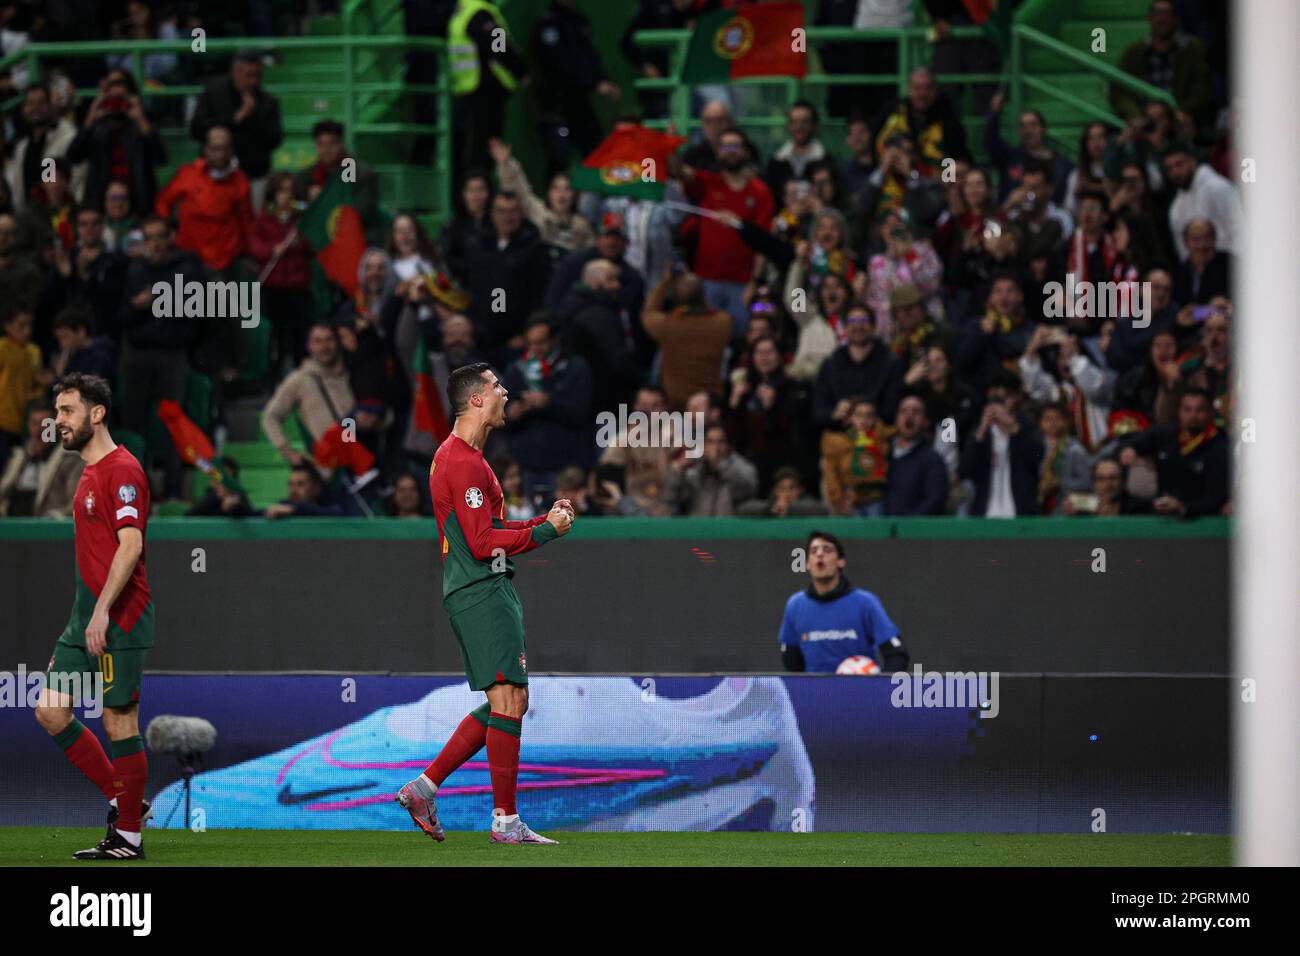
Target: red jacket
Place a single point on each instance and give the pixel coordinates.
(293, 271)
(215, 214)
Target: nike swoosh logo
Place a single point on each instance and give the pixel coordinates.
(288, 798)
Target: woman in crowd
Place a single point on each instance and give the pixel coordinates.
(557, 219)
(284, 262)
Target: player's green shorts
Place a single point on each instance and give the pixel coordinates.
(72, 669)
(491, 636)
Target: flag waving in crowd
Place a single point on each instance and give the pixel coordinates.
(755, 40)
(632, 161)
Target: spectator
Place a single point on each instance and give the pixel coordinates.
(120, 223)
(470, 222)
(39, 478)
(213, 195)
(854, 463)
(827, 249)
(518, 507)
(141, 24)
(220, 501)
(1191, 459)
(820, 317)
(832, 620)
(787, 500)
(79, 351)
(89, 274)
(447, 348)
(1129, 344)
(566, 55)
(892, 187)
(318, 391)
(917, 482)
(406, 501)
(1151, 387)
(998, 339)
(915, 332)
(1083, 388)
(273, 237)
(1208, 368)
(1202, 194)
(238, 103)
(597, 329)
(1010, 160)
(20, 278)
(928, 118)
(1171, 60)
(155, 359)
(1065, 468)
(1004, 456)
(367, 348)
(856, 168)
(1089, 176)
(331, 154)
(1090, 257)
(118, 143)
(48, 137)
(906, 260)
(862, 366)
(725, 264)
(22, 375)
(944, 395)
(1108, 498)
(1206, 272)
(968, 55)
(714, 484)
(1041, 225)
(646, 465)
(485, 69)
(652, 62)
(306, 498)
(692, 336)
(557, 219)
(47, 225)
(612, 246)
(505, 274)
(549, 417)
(704, 153)
(801, 153)
(767, 409)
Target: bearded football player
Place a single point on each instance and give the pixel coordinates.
(111, 627)
(488, 620)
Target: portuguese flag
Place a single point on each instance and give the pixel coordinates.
(194, 447)
(753, 40)
(332, 227)
(429, 414)
(332, 450)
(617, 166)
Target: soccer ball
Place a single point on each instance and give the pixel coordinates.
(858, 665)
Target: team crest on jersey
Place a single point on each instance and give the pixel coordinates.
(90, 502)
(474, 498)
(126, 493)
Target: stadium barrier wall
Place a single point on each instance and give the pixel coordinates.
(653, 595)
(647, 752)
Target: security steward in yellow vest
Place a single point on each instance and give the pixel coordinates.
(486, 68)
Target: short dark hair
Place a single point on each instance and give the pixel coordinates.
(804, 104)
(153, 218)
(327, 127)
(247, 55)
(1039, 166)
(464, 382)
(787, 471)
(93, 389)
(829, 539)
(308, 469)
(540, 317)
(73, 317)
(1197, 391)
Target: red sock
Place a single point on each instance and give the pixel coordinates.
(130, 768)
(87, 754)
(468, 740)
(503, 760)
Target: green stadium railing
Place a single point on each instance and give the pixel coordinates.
(684, 529)
(356, 55)
(911, 43)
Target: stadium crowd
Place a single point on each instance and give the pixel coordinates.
(865, 327)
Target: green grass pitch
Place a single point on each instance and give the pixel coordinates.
(46, 846)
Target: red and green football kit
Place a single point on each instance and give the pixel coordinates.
(112, 494)
(477, 543)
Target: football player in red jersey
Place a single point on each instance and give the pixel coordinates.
(111, 627)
